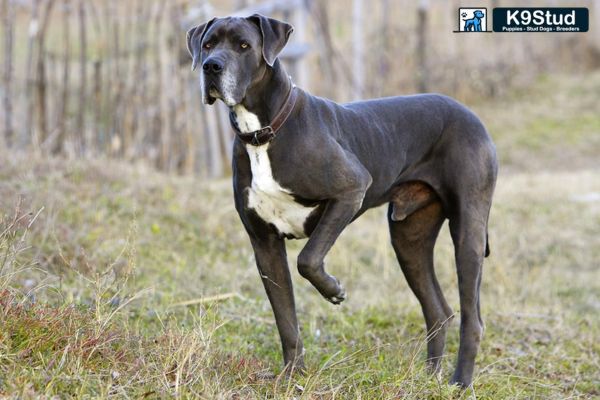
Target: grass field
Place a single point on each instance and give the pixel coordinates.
(117, 281)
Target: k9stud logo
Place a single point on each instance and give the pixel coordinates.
(541, 19)
(472, 19)
(524, 19)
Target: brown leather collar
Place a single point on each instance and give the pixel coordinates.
(266, 134)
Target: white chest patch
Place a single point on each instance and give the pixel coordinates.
(273, 203)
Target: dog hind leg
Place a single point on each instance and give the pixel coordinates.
(468, 233)
(413, 240)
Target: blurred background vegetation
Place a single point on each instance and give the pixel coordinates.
(111, 78)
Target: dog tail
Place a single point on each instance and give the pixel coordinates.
(487, 244)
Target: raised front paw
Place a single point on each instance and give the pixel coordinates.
(340, 296)
(329, 286)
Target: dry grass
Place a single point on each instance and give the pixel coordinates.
(99, 260)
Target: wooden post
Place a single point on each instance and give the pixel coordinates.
(171, 89)
(211, 130)
(41, 77)
(57, 144)
(8, 17)
(163, 137)
(299, 21)
(105, 108)
(98, 141)
(140, 121)
(34, 27)
(329, 83)
(127, 82)
(225, 138)
(117, 106)
(384, 50)
(596, 11)
(423, 72)
(80, 137)
(157, 121)
(358, 63)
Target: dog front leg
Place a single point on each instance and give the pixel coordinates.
(271, 260)
(338, 213)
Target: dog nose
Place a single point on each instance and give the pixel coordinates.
(212, 66)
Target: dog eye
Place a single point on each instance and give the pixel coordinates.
(244, 45)
(207, 45)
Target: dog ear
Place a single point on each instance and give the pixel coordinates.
(275, 35)
(194, 40)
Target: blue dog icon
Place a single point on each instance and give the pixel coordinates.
(474, 24)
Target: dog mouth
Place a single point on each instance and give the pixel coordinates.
(211, 92)
(221, 88)
(214, 93)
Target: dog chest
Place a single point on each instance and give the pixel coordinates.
(273, 203)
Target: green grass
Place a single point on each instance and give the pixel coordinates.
(96, 258)
(552, 124)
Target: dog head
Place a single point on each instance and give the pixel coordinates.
(478, 14)
(234, 53)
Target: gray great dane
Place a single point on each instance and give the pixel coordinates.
(306, 167)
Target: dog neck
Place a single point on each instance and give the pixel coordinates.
(267, 96)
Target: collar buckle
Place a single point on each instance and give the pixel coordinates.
(259, 135)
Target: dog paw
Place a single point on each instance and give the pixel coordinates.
(461, 382)
(338, 298)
